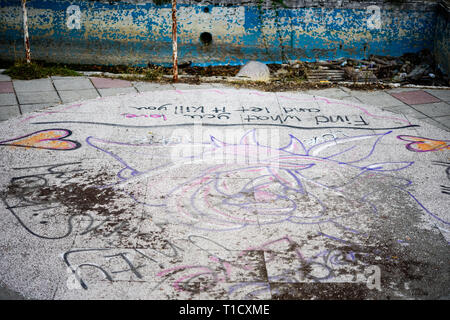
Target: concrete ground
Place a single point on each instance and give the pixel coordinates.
(129, 190)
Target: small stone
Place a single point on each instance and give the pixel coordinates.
(254, 70)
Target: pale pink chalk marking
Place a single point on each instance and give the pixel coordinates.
(50, 112)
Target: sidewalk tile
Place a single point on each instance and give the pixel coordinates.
(26, 108)
(415, 97)
(377, 98)
(443, 94)
(7, 99)
(350, 99)
(6, 87)
(434, 109)
(8, 112)
(72, 83)
(104, 83)
(4, 77)
(36, 85)
(435, 123)
(332, 93)
(115, 91)
(406, 110)
(37, 97)
(187, 86)
(397, 90)
(149, 86)
(444, 120)
(72, 96)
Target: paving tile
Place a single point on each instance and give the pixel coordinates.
(333, 93)
(435, 123)
(8, 112)
(115, 91)
(186, 86)
(415, 97)
(71, 96)
(103, 83)
(72, 83)
(7, 99)
(38, 97)
(150, 86)
(405, 110)
(26, 108)
(378, 98)
(36, 85)
(350, 99)
(4, 77)
(434, 109)
(444, 121)
(443, 94)
(397, 90)
(6, 87)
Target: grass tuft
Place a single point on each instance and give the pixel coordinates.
(27, 71)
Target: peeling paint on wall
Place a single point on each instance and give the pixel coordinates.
(139, 32)
(442, 40)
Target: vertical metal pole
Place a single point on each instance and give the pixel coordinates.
(25, 32)
(174, 41)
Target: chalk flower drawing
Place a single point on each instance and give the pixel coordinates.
(264, 185)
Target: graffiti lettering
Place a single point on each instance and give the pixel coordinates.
(220, 116)
(297, 109)
(275, 118)
(73, 13)
(444, 189)
(359, 120)
(374, 21)
(152, 108)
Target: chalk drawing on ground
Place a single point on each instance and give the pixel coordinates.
(311, 214)
(246, 183)
(51, 139)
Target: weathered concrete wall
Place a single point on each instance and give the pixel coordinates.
(442, 39)
(138, 32)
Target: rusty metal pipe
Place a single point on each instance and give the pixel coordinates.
(26, 39)
(174, 41)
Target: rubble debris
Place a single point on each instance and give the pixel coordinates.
(325, 73)
(358, 75)
(419, 72)
(411, 68)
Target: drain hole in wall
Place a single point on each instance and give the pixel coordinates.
(205, 38)
(205, 9)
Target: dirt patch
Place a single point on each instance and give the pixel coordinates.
(280, 86)
(78, 198)
(318, 291)
(211, 71)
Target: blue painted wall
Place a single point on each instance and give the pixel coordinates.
(442, 39)
(138, 33)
